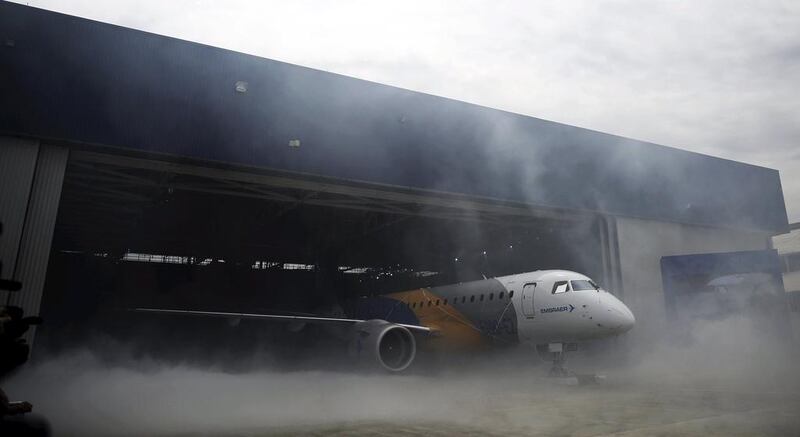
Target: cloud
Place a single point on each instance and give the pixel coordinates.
(715, 77)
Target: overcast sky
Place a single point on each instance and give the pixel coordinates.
(716, 77)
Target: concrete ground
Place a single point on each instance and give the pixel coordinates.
(612, 409)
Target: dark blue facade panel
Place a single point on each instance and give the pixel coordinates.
(77, 80)
(716, 286)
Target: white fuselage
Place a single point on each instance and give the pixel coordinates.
(551, 307)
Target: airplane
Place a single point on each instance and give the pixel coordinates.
(549, 309)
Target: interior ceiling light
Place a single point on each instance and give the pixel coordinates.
(241, 87)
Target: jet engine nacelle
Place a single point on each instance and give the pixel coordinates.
(383, 344)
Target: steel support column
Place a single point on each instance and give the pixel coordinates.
(609, 249)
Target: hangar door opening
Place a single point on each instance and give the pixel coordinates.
(139, 231)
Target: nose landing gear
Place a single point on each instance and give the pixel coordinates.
(556, 353)
(558, 369)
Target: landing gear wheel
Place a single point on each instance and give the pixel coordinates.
(558, 370)
(555, 353)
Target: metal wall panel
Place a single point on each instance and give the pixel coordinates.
(17, 164)
(37, 234)
(82, 81)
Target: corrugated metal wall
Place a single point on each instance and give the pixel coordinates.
(17, 165)
(33, 195)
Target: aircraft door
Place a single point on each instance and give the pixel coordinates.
(527, 299)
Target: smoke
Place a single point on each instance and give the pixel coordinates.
(719, 368)
(83, 394)
(732, 352)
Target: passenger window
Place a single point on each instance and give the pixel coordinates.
(414, 305)
(463, 299)
(437, 302)
(560, 287)
(511, 294)
(491, 296)
(501, 295)
(472, 298)
(481, 297)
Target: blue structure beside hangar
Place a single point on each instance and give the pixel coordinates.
(99, 121)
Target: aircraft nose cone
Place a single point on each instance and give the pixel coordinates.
(626, 320)
(618, 317)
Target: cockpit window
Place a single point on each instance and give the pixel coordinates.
(561, 287)
(582, 284)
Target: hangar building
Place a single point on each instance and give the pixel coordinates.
(137, 169)
(788, 247)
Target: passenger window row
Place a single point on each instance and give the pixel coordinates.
(444, 302)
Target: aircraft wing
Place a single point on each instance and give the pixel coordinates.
(273, 317)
